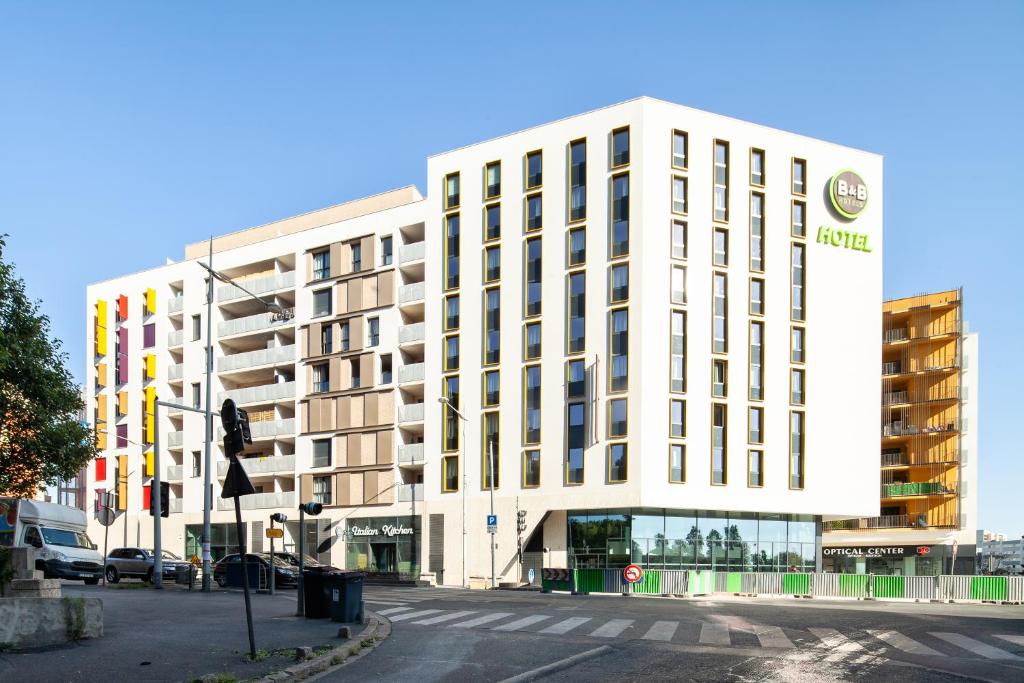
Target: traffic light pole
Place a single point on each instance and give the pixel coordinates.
(156, 502)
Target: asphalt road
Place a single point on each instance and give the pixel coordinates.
(457, 635)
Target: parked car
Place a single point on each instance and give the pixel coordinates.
(293, 559)
(138, 563)
(285, 575)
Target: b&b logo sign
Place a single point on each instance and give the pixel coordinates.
(849, 194)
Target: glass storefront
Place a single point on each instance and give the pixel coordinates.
(692, 539)
(383, 545)
(223, 540)
(908, 560)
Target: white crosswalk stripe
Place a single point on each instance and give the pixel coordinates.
(714, 634)
(902, 642)
(393, 610)
(976, 646)
(661, 630)
(565, 626)
(414, 615)
(443, 618)
(612, 629)
(768, 636)
(1016, 640)
(371, 601)
(520, 624)
(480, 621)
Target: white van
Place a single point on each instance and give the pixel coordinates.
(57, 532)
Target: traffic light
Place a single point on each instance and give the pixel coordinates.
(236, 427)
(165, 501)
(521, 520)
(279, 517)
(312, 508)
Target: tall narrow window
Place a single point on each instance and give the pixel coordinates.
(677, 418)
(620, 215)
(575, 441)
(492, 222)
(492, 183)
(355, 373)
(492, 388)
(756, 361)
(719, 444)
(373, 331)
(451, 352)
(534, 214)
(798, 282)
(619, 275)
(756, 296)
(322, 453)
(799, 176)
(617, 462)
(719, 378)
(321, 378)
(796, 450)
(680, 143)
(755, 468)
(531, 404)
(755, 424)
(757, 167)
(531, 345)
(677, 463)
(492, 263)
(617, 417)
(678, 285)
(451, 191)
(357, 257)
(322, 490)
(678, 239)
(679, 192)
(451, 473)
(534, 169)
(796, 386)
(531, 469)
(451, 312)
(451, 418)
(577, 246)
(619, 343)
(620, 147)
(721, 181)
(386, 251)
(492, 326)
(757, 232)
(575, 379)
(197, 327)
(326, 340)
(577, 180)
(720, 248)
(385, 369)
(345, 333)
(678, 362)
(451, 251)
(577, 312)
(491, 452)
(533, 277)
(322, 264)
(195, 397)
(796, 344)
(798, 228)
(719, 312)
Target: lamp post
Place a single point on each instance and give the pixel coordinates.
(462, 465)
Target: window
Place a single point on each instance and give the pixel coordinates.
(796, 344)
(719, 444)
(721, 181)
(756, 361)
(576, 379)
(385, 369)
(678, 285)
(577, 180)
(386, 249)
(326, 340)
(720, 309)
(451, 473)
(757, 167)
(345, 336)
(798, 228)
(577, 312)
(355, 369)
(491, 453)
(680, 142)
(756, 296)
(451, 312)
(531, 404)
(619, 342)
(757, 232)
(322, 453)
(492, 326)
(492, 263)
(492, 180)
(357, 257)
(534, 212)
(322, 302)
(149, 336)
(799, 176)
(322, 490)
(796, 450)
(451, 418)
(617, 462)
(620, 147)
(677, 463)
(678, 362)
(677, 418)
(796, 386)
(531, 347)
(577, 246)
(197, 464)
(575, 441)
(533, 277)
(798, 282)
(451, 251)
(617, 417)
(534, 169)
(492, 388)
(620, 215)
(451, 352)
(679, 193)
(195, 395)
(531, 469)
(719, 378)
(322, 265)
(373, 331)
(619, 282)
(197, 327)
(755, 424)
(451, 190)
(492, 222)
(720, 248)
(678, 239)
(321, 378)
(755, 468)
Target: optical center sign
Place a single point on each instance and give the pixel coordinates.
(848, 194)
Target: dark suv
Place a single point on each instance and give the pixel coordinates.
(138, 563)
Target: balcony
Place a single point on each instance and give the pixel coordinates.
(260, 501)
(895, 335)
(175, 439)
(930, 488)
(177, 505)
(267, 429)
(410, 454)
(895, 398)
(893, 368)
(175, 304)
(883, 522)
(261, 285)
(251, 359)
(255, 323)
(407, 253)
(411, 373)
(411, 334)
(411, 294)
(265, 393)
(175, 372)
(894, 459)
(261, 466)
(409, 492)
(900, 429)
(411, 412)
(175, 338)
(174, 473)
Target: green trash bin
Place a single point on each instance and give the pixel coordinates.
(345, 595)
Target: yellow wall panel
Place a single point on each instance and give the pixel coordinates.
(150, 366)
(122, 482)
(149, 464)
(150, 421)
(151, 301)
(101, 437)
(101, 327)
(101, 408)
(122, 402)
(101, 374)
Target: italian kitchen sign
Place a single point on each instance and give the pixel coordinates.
(383, 530)
(878, 551)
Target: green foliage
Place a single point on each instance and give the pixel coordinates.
(41, 438)
(74, 617)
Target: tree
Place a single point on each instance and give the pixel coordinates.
(41, 438)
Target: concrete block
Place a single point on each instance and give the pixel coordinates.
(36, 622)
(35, 588)
(344, 632)
(302, 653)
(23, 563)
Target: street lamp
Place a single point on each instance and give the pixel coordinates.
(462, 464)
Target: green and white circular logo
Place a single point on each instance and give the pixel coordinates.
(849, 193)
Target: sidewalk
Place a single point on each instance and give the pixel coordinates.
(175, 635)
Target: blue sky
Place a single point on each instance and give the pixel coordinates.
(129, 129)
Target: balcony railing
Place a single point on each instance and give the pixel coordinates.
(408, 334)
(257, 286)
(261, 394)
(259, 501)
(255, 466)
(408, 253)
(894, 459)
(175, 439)
(935, 329)
(410, 454)
(890, 522)
(267, 429)
(411, 373)
(895, 397)
(175, 304)
(929, 488)
(410, 492)
(899, 429)
(412, 293)
(411, 412)
(254, 323)
(175, 338)
(175, 371)
(892, 368)
(251, 359)
(895, 335)
(174, 473)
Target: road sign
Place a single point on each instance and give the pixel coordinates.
(633, 573)
(492, 524)
(195, 560)
(275, 533)
(531, 575)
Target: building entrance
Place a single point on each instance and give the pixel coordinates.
(384, 560)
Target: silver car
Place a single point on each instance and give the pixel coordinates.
(138, 563)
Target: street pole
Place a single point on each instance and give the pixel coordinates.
(242, 546)
(272, 572)
(156, 501)
(494, 475)
(465, 485)
(208, 436)
(300, 599)
(106, 532)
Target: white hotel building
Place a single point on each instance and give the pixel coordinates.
(631, 309)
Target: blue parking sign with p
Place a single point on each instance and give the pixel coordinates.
(492, 520)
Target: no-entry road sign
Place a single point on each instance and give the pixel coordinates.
(633, 573)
